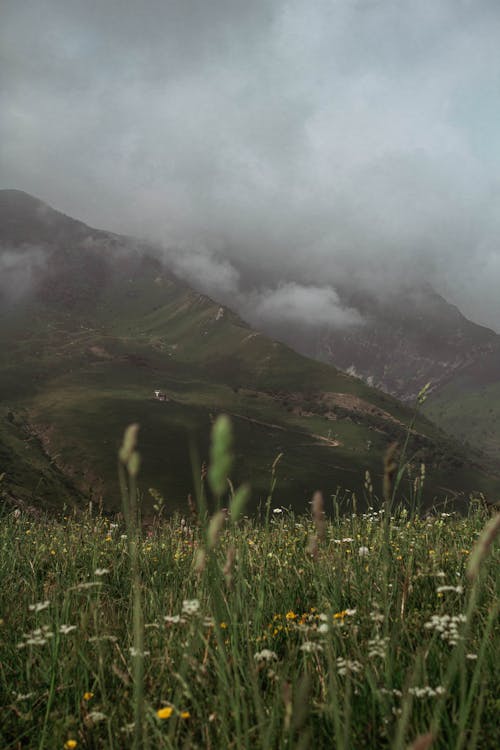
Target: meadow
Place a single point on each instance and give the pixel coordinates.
(213, 629)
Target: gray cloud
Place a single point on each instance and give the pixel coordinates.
(300, 305)
(19, 270)
(296, 143)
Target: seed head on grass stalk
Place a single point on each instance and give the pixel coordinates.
(128, 466)
(390, 468)
(482, 546)
(318, 514)
(221, 457)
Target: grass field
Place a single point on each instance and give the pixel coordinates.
(344, 629)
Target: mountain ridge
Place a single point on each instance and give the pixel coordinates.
(106, 322)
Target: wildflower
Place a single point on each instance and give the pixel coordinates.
(190, 606)
(427, 691)
(39, 606)
(363, 551)
(344, 613)
(95, 717)
(88, 696)
(472, 657)
(101, 571)
(185, 714)
(277, 510)
(447, 626)
(38, 637)
(345, 666)
(223, 625)
(70, 744)
(65, 629)
(136, 652)
(165, 713)
(24, 697)
(88, 585)
(458, 589)
(291, 615)
(173, 619)
(265, 655)
(377, 647)
(309, 647)
(323, 628)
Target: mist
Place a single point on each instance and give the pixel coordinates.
(276, 150)
(20, 270)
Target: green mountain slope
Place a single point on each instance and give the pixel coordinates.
(100, 324)
(410, 337)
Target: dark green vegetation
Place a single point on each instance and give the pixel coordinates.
(282, 651)
(469, 405)
(93, 323)
(414, 336)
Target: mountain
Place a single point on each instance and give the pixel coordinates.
(93, 323)
(408, 338)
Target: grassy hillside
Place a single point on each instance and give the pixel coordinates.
(471, 412)
(104, 324)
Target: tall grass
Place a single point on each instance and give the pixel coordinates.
(226, 632)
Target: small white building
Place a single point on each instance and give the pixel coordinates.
(161, 396)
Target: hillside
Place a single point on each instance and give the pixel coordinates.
(93, 323)
(410, 337)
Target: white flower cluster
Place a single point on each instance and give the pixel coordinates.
(94, 717)
(348, 665)
(346, 540)
(310, 647)
(173, 619)
(38, 637)
(65, 629)
(457, 589)
(39, 606)
(427, 692)
(266, 656)
(190, 606)
(377, 647)
(101, 571)
(447, 626)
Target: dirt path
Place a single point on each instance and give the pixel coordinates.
(320, 440)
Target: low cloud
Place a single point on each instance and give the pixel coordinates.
(20, 271)
(300, 305)
(319, 144)
(205, 271)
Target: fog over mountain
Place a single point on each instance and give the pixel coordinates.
(279, 151)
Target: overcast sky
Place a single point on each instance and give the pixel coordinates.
(300, 144)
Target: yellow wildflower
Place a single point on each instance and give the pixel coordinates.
(291, 615)
(340, 615)
(165, 713)
(88, 696)
(185, 715)
(70, 744)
